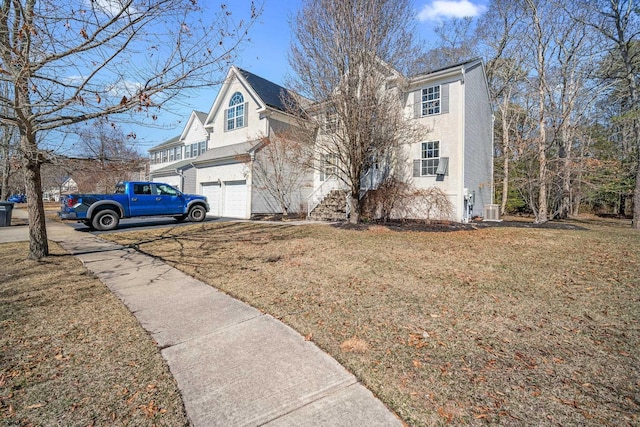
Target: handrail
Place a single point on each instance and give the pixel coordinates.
(317, 195)
(370, 180)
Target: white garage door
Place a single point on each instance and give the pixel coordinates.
(235, 199)
(211, 191)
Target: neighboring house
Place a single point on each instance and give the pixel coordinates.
(170, 162)
(455, 157)
(247, 110)
(68, 186)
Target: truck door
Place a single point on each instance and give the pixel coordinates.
(169, 201)
(142, 202)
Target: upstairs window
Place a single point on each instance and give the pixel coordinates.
(430, 158)
(330, 122)
(236, 113)
(431, 101)
(328, 166)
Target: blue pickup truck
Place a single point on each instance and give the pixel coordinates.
(133, 199)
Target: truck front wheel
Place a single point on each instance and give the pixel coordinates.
(197, 213)
(105, 220)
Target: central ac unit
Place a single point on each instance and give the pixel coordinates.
(492, 213)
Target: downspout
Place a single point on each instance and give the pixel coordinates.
(179, 172)
(493, 150)
(465, 215)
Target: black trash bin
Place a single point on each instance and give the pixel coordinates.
(5, 213)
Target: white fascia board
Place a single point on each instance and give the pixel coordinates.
(217, 104)
(185, 131)
(440, 75)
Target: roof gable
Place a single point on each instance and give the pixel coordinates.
(266, 94)
(196, 117)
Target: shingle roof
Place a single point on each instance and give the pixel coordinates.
(271, 93)
(227, 151)
(172, 167)
(166, 144)
(201, 116)
(458, 64)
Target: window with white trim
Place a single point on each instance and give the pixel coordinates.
(430, 158)
(328, 166)
(330, 123)
(431, 100)
(235, 112)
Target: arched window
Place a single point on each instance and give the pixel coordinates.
(236, 112)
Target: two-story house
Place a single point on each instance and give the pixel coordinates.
(247, 111)
(455, 157)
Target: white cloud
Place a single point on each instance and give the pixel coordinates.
(442, 9)
(110, 7)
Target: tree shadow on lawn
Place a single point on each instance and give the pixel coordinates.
(448, 226)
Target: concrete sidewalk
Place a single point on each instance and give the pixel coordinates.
(234, 365)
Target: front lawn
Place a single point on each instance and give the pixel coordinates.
(71, 354)
(502, 325)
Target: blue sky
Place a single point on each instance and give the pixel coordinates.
(266, 56)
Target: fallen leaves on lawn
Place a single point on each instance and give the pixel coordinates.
(354, 345)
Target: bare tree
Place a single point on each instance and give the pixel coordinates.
(115, 159)
(280, 167)
(541, 36)
(348, 57)
(73, 61)
(7, 155)
(456, 42)
(501, 30)
(618, 21)
(8, 134)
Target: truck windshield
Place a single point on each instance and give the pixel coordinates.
(119, 189)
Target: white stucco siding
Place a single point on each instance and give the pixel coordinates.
(447, 128)
(255, 127)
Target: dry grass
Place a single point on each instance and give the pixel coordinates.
(506, 326)
(71, 354)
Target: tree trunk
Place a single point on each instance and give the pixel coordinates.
(505, 151)
(38, 243)
(6, 171)
(355, 209)
(542, 212)
(636, 197)
(565, 203)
